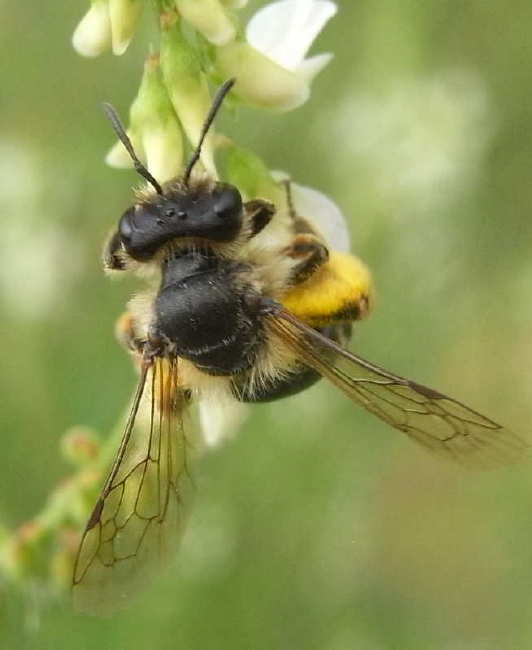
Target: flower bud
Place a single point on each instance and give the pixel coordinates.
(259, 80)
(124, 16)
(247, 171)
(271, 68)
(209, 18)
(153, 117)
(92, 35)
(154, 130)
(186, 85)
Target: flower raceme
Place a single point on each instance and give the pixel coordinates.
(269, 63)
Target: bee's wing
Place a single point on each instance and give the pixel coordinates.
(437, 422)
(138, 517)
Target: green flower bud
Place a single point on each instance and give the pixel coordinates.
(154, 130)
(186, 85)
(209, 18)
(124, 16)
(247, 171)
(261, 81)
(153, 117)
(92, 35)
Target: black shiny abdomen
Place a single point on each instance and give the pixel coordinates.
(206, 316)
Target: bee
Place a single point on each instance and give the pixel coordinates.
(249, 303)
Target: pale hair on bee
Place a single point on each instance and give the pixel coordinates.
(246, 302)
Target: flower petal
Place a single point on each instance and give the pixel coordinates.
(164, 151)
(259, 80)
(208, 17)
(285, 30)
(92, 35)
(310, 68)
(125, 16)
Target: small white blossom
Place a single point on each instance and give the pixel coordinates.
(208, 17)
(124, 16)
(285, 30)
(271, 68)
(164, 150)
(92, 35)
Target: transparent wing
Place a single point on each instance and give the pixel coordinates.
(435, 421)
(138, 517)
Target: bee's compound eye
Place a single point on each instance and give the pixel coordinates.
(125, 227)
(228, 202)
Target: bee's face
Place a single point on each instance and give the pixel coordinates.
(214, 215)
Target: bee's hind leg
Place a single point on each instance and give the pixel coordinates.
(309, 253)
(127, 335)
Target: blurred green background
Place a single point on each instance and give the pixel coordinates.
(318, 526)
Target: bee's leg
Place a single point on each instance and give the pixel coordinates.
(127, 336)
(259, 213)
(113, 256)
(309, 252)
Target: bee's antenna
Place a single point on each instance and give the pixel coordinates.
(121, 133)
(215, 107)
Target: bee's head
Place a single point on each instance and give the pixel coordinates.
(213, 214)
(210, 212)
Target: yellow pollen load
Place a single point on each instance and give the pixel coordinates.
(338, 292)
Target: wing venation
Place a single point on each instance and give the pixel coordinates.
(138, 518)
(437, 422)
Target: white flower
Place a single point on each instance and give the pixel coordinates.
(92, 36)
(284, 31)
(124, 16)
(271, 68)
(210, 18)
(164, 150)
